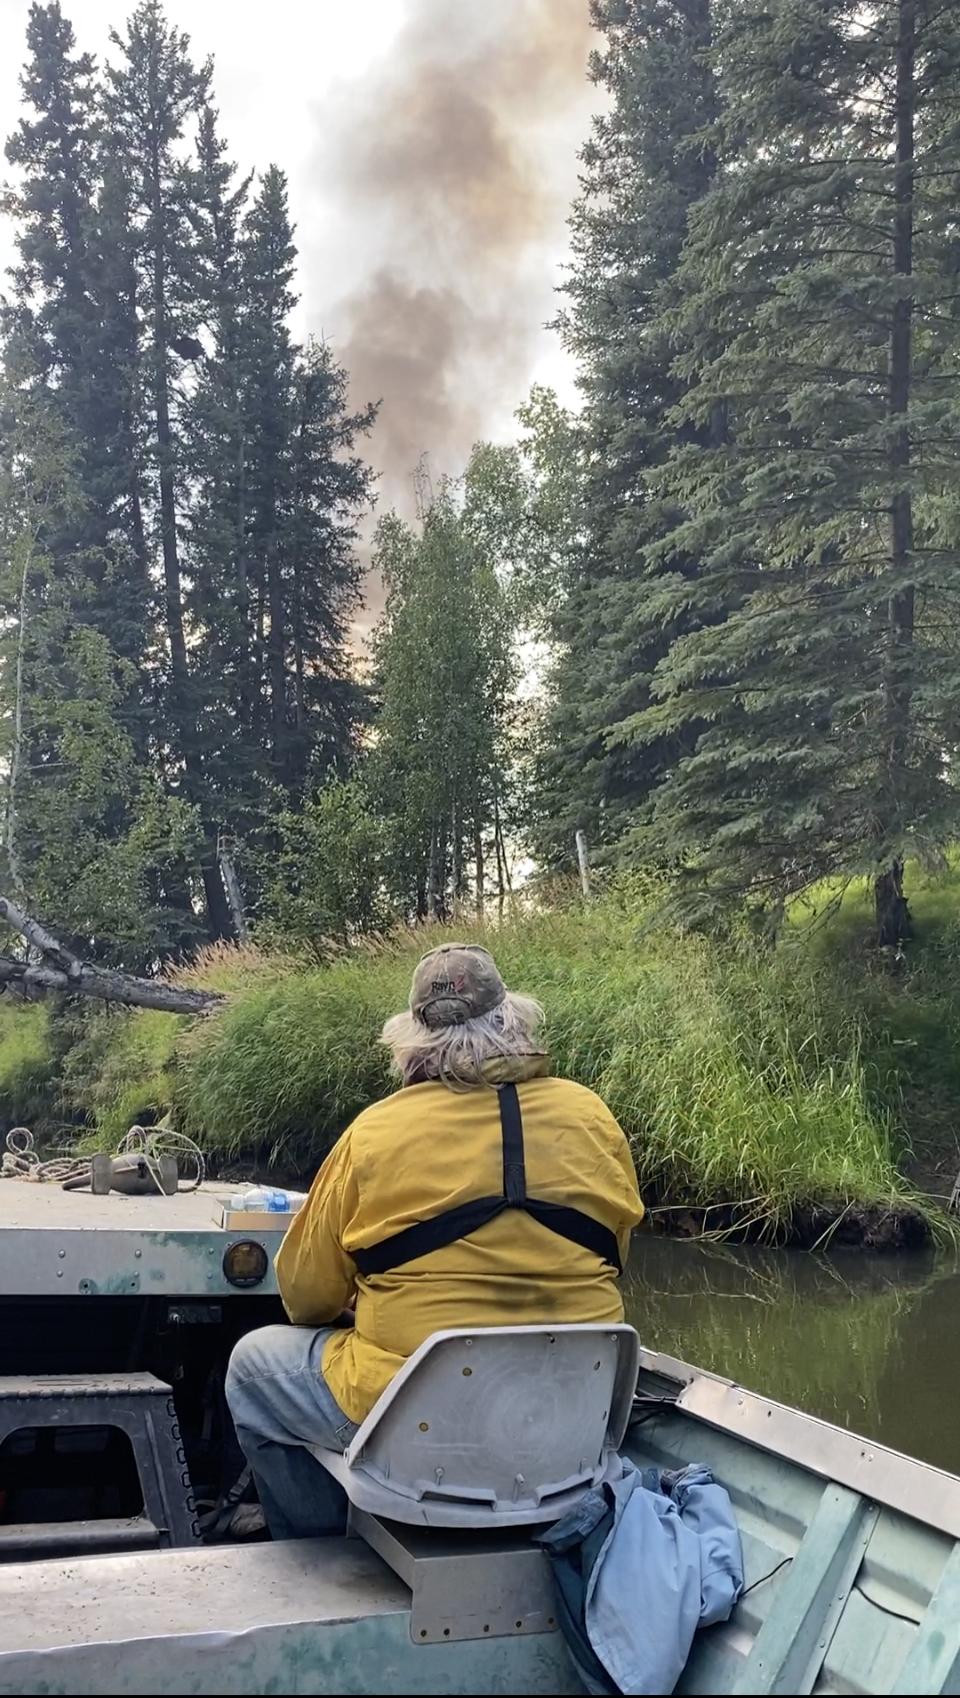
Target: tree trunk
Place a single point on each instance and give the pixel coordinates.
(246, 688)
(457, 858)
(296, 619)
(478, 857)
(16, 753)
(891, 908)
(173, 599)
(277, 654)
(498, 850)
(900, 608)
(137, 532)
(443, 847)
(231, 885)
(433, 874)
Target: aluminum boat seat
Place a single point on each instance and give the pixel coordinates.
(493, 1427)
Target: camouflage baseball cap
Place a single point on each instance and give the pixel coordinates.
(455, 983)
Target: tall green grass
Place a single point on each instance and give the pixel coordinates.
(908, 1012)
(740, 1074)
(733, 1080)
(122, 1067)
(28, 1085)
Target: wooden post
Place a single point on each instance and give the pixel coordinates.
(582, 864)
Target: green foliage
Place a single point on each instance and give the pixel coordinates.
(645, 167)
(815, 308)
(325, 881)
(444, 659)
(70, 741)
(755, 682)
(179, 502)
(119, 1067)
(780, 1078)
(738, 1076)
(120, 1070)
(912, 1015)
(521, 507)
(28, 1079)
(277, 494)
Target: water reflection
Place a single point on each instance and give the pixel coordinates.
(872, 1343)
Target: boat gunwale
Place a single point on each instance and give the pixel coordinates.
(903, 1483)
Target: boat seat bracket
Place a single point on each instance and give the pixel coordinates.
(464, 1586)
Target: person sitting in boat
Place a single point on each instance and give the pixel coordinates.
(484, 1192)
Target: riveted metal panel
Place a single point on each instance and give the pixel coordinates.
(465, 1585)
(126, 1263)
(56, 1243)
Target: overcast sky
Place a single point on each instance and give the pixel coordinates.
(314, 84)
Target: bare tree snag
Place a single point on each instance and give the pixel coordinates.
(60, 970)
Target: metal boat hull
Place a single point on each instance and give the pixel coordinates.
(852, 1558)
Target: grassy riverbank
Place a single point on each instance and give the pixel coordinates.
(779, 1081)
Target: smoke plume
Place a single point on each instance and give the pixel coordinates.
(454, 164)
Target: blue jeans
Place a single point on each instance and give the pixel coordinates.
(280, 1402)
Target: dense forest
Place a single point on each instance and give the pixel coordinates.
(708, 617)
(181, 495)
(737, 562)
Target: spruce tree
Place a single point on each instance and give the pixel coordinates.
(277, 490)
(185, 589)
(648, 163)
(74, 582)
(330, 489)
(268, 355)
(215, 452)
(819, 310)
(444, 667)
(155, 95)
(60, 334)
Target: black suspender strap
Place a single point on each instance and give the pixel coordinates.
(426, 1235)
(581, 1229)
(446, 1228)
(511, 1131)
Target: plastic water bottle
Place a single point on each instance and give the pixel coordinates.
(268, 1199)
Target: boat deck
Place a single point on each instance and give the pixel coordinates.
(26, 1206)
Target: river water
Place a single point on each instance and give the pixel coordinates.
(871, 1343)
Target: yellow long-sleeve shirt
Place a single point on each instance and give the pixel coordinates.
(420, 1152)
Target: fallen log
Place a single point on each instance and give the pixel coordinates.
(60, 970)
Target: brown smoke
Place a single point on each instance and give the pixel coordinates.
(456, 161)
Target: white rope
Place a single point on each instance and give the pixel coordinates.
(21, 1161)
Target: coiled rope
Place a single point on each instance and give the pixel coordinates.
(21, 1161)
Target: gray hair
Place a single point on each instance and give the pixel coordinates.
(456, 1054)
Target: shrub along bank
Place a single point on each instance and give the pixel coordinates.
(760, 1088)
